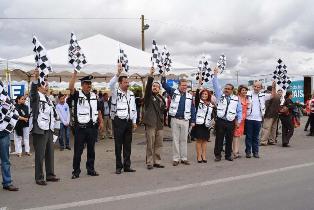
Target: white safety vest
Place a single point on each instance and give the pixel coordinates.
(204, 113)
(45, 119)
(86, 111)
(123, 105)
(175, 104)
(261, 100)
(225, 110)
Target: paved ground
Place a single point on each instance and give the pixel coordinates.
(281, 179)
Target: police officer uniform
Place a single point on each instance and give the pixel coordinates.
(123, 114)
(85, 128)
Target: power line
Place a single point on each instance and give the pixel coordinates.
(66, 18)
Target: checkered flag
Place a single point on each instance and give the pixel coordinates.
(123, 59)
(156, 56)
(76, 56)
(281, 75)
(8, 114)
(166, 60)
(204, 71)
(41, 60)
(222, 62)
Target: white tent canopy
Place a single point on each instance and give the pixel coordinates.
(101, 53)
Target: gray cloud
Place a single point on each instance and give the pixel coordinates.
(256, 31)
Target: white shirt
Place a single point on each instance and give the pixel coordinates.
(106, 108)
(256, 109)
(64, 113)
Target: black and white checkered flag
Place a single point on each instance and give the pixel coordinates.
(8, 114)
(281, 75)
(155, 59)
(165, 60)
(123, 59)
(222, 62)
(204, 71)
(41, 60)
(76, 56)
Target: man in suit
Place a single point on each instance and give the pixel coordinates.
(154, 106)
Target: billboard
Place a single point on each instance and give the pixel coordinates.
(297, 88)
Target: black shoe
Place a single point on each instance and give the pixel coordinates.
(204, 161)
(229, 158)
(68, 147)
(150, 167)
(305, 129)
(158, 166)
(217, 159)
(11, 188)
(271, 143)
(200, 161)
(41, 182)
(75, 176)
(92, 173)
(256, 155)
(118, 171)
(53, 179)
(185, 162)
(129, 170)
(248, 155)
(285, 145)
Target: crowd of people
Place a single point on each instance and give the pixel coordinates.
(228, 113)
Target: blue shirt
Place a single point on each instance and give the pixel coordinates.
(218, 93)
(181, 107)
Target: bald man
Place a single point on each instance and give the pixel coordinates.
(255, 114)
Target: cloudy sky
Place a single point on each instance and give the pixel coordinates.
(253, 34)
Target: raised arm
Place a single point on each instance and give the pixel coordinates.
(148, 89)
(216, 85)
(33, 92)
(114, 79)
(72, 82)
(165, 86)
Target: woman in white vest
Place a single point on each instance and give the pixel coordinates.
(182, 111)
(204, 110)
(43, 116)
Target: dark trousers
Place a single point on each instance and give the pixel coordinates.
(84, 136)
(123, 139)
(224, 130)
(287, 129)
(311, 119)
(43, 146)
(252, 128)
(307, 122)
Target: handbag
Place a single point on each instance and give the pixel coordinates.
(283, 110)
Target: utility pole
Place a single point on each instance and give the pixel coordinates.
(143, 28)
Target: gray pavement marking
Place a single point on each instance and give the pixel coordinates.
(169, 189)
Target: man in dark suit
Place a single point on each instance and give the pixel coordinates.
(153, 119)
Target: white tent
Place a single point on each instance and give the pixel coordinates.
(101, 54)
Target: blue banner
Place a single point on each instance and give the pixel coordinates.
(297, 88)
(16, 90)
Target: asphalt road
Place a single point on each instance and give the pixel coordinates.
(281, 179)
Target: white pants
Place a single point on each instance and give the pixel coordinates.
(18, 141)
(180, 131)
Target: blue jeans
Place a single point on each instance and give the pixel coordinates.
(66, 131)
(252, 128)
(5, 162)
